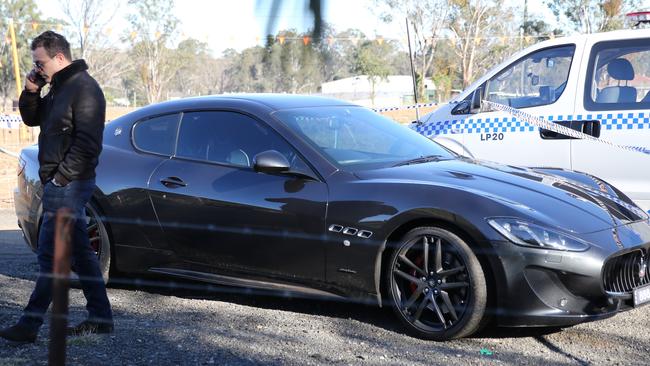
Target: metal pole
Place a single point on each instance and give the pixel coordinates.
(415, 92)
(60, 286)
(14, 52)
(22, 130)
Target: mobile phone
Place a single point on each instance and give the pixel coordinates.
(36, 78)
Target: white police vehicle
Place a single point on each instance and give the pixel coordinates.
(598, 84)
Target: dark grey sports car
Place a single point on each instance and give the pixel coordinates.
(314, 195)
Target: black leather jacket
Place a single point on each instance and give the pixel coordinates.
(71, 117)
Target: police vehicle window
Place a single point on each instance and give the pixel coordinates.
(227, 138)
(156, 135)
(537, 79)
(621, 75)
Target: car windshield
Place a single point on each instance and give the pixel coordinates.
(357, 138)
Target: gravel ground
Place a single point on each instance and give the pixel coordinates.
(167, 324)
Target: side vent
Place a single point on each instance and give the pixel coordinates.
(336, 228)
(364, 234)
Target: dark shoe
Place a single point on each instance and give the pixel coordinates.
(19, 334)
(90, 327)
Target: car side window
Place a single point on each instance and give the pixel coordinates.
(619, 75)
(227, 138)
(156, 135)
(537, 79)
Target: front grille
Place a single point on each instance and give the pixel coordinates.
(621, 273)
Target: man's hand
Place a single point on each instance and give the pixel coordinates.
(32, 82)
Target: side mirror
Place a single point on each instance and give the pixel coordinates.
(463, 107)
(477, 98)
(270, 161)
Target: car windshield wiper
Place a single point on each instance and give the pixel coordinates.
(419, 160)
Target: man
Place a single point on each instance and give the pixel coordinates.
(71, 117)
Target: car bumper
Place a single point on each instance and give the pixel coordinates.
(560, 288)
(27, 216)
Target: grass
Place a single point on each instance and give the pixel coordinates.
(84, 340)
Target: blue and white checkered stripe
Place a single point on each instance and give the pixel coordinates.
(609, 121)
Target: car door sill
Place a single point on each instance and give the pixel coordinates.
(240, 282)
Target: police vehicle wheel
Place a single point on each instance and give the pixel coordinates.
(436, 285)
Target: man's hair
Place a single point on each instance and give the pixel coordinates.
(53, 43)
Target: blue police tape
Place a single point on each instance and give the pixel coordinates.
(10, 121)
(412, 106)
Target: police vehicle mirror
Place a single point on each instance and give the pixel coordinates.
(463, 107)
(477, 98)
(550, 63)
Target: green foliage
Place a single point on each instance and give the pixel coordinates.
(372, 60)
(153, 26)
(590, 16)
(454, 41)
(23, 12)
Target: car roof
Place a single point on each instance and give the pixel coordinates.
(270, 100)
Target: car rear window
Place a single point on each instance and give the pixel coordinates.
(156, 135)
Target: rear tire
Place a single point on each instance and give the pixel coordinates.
(436, 285)
(99, 241)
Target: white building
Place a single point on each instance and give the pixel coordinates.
(395, 91)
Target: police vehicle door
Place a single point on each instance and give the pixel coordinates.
(543, 84)
(615, 101)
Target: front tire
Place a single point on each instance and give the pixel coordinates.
(436, 284)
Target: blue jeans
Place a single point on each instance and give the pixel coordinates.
(74, 195)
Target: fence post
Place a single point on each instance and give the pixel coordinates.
(60, 286)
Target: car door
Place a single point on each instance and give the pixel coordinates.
(541, 83)
(616, 96)
(218, 212)
(129, 158)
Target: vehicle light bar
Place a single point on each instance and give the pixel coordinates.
(638, 17)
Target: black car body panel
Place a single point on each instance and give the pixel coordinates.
(331, 228)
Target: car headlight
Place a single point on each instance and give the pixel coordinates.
(532, 235)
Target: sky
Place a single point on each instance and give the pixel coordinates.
(240, 24)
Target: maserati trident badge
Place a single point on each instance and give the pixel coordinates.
(643, 266)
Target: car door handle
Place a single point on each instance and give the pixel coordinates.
(589, 127)
(173, 182)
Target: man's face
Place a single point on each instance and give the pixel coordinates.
(45, 65)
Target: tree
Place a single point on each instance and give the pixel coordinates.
(245, 71)
(199, 73)
(427, 19)
(90, 39)
(24, 14)
(298, 63)
(472, 24)
(371, 60)
(152, 29)
(88, 18)
(446, 75)
(589, 16)
(339, 53)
